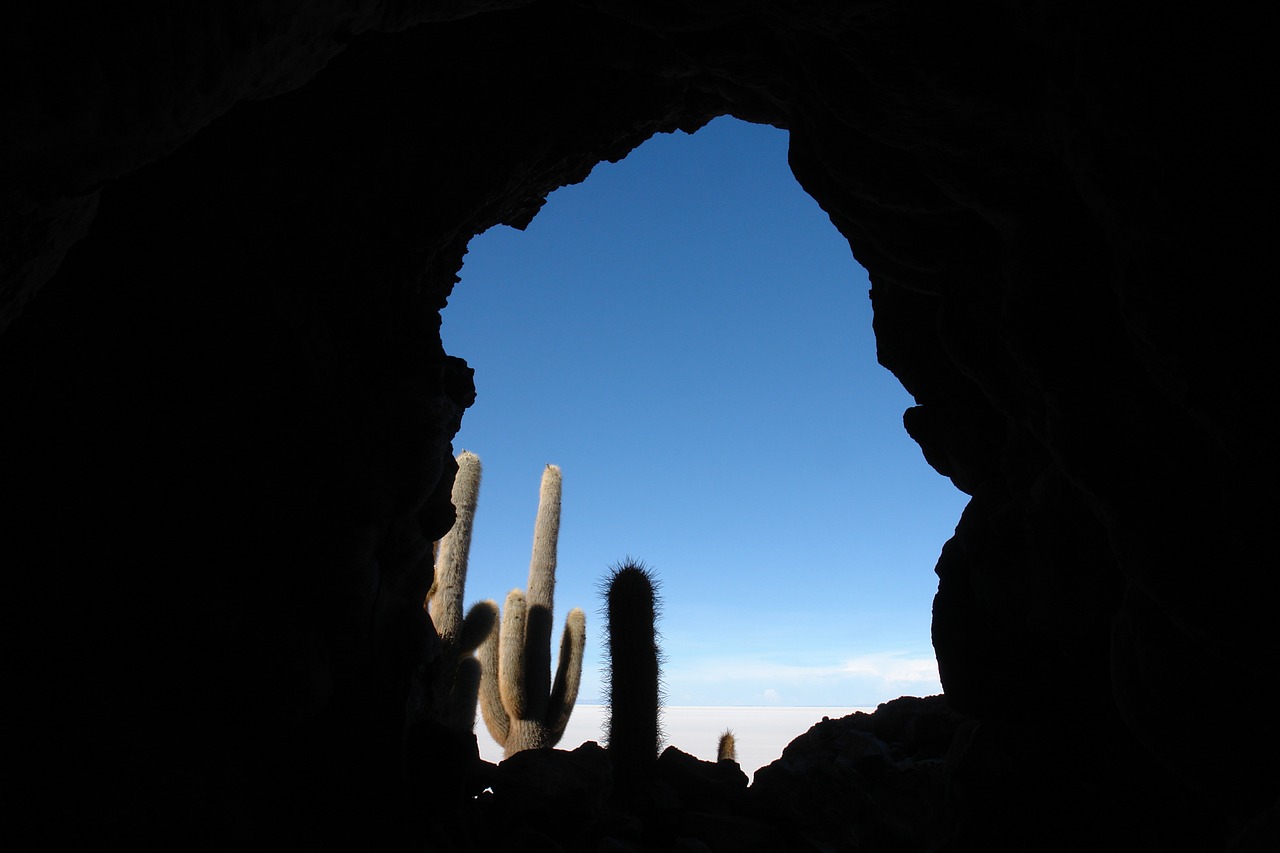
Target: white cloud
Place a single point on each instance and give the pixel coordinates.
(889, 666)
(894, 668)
(864, 680)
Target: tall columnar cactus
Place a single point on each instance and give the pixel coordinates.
(522, 707)
(457, 682)
(633, 734)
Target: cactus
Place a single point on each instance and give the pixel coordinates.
(633, 735)
(727, 750)
(522, 708)
(457, 681)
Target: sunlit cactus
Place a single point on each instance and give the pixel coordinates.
(634, 688)
(457, 681)
(727, 750)
(522, 707)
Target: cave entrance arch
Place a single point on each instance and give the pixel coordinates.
(248, 220)
(688, 336)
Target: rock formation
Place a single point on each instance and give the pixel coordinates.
(227, 232)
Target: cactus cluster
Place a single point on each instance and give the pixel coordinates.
(502, 659)
(522, 707)
(511, 677)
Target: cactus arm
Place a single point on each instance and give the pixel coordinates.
(512, 683)
(564, 692)
(546, 536)
(495, 715)
(451, 564)
(481, 621)
(541, 594)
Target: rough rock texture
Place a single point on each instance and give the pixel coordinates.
(866, 782)
(225, 237)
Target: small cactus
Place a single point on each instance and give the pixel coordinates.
(522, 707)
(457, 682)
(727, 750)
(633, 734)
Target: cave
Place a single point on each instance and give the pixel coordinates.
(228, 234)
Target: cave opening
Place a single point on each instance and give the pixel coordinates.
(227, 413)
(687, 335)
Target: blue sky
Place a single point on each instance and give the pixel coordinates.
(689, 338)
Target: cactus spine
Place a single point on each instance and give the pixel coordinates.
(727, 750)
(633, 683)
(522, 707)
(457, 683)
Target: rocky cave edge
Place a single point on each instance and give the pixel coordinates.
(228, 231)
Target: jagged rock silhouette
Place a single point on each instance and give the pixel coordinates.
(227, 235)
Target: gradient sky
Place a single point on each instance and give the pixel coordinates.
(689, 338)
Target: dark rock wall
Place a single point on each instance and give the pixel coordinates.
(228, 412)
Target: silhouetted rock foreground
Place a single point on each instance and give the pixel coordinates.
(864, 782)
(227, 231)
